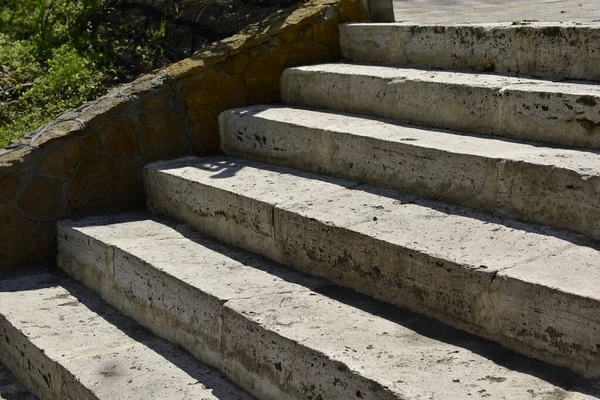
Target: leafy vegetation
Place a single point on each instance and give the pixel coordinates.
(58, 54)
(43, 71)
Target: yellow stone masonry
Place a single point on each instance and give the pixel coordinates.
(89, 160)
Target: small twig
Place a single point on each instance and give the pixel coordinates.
(2, 104)
(16, 88)
(203, 8)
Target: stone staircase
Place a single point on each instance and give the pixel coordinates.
(336, 252)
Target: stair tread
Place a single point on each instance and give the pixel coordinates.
(463, 235)
(407, 355)
(474, 79)
(563, 113)
(510, 25)
(97, 353)
(537, 48)
(523, 180)
(583, 161)
(530, 287)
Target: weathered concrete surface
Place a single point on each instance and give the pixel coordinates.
(434, 258)
(557, 187)
(286, 336)
(453, 11)
(557, 112)
(565, 50)
(11, 388)
(64, 342)
(223, 210)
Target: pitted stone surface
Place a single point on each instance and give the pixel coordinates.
(65, 343)
(453, 11)
(222, 211)
(557, 112)
(561, 50)
(275, 329)
(557, 187)
(438, 259)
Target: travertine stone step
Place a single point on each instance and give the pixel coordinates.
(529, 287)
(569, 50)
(65, 343)
(11, 388)
(558, 112)
(546, 185)
(285, 336)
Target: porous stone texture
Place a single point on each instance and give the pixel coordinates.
(552, 186)
(283, 335)
(449, 262)
(485, 11)
(65, 343)
(561, 50)
(562, 113)
(89, 159)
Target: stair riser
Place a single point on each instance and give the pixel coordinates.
(45, 377)
(215, 330)
(521, 113)
(507, 298)
(458, 294)
(29, 364)
(469, 298)
(558, 51)
(532, 192)
(66, 343)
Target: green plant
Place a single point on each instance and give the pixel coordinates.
(58, 54)
(70, 80)
(18, 63)
(42, 70)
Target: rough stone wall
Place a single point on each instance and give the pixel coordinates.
(89, 160)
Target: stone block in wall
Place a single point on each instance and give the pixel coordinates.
(92, 142)
(237, 64)
(105, 183)
(213, 92)
(8, 186)
(163, 136)
(64, 159)
(352, 11)
(24, 241)
(121, 136)
(42, 198)
(157, 102)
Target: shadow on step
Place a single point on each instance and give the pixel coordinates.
(561, 377)
(428, 327)
(256, 111)
(483, 216)
(225, 167)
(203, 374)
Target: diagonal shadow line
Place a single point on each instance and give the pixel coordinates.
(425, 326)
(226, 167)
(207, 376)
